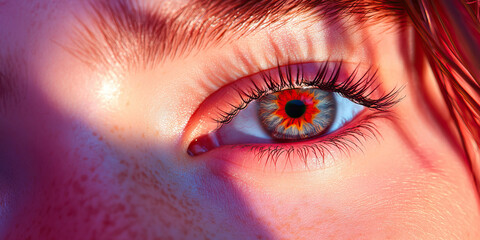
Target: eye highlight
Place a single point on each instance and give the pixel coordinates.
(297, 113)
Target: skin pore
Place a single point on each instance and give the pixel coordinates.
(94, 144)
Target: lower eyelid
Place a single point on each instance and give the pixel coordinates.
(308, 155)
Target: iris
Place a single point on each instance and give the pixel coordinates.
(297, 113)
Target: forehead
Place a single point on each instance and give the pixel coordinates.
(176, 26)
(33, 15)
(26, 24)
(41, 5)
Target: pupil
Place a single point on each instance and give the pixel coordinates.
(295, 108)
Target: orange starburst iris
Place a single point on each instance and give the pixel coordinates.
(304, 95)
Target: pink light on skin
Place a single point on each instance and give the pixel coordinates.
(84, 157)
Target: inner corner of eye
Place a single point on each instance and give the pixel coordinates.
(285, 117)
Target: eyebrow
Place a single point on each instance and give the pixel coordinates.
(124, 33)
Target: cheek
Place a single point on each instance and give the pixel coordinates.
(78, 185)
(397, 192)
(414, 205)
(82, 183)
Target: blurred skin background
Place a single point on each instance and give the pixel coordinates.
(100, 101)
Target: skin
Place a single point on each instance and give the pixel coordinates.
(91, 154)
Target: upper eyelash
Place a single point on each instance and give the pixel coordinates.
(358, 91)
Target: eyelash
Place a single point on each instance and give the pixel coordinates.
(359, 91)
(364, 129)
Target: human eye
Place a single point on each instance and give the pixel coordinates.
(296, 116)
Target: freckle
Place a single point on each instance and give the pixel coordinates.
(133, 235)
(94, 134)
(95, 178)
(121, 177)
(163, 193)
(107, 222)
(78, 188)
(71, 213)
(69, 181)
(91, 210)
(120, 208)
(83, 178)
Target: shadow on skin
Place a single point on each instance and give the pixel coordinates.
(68, 181)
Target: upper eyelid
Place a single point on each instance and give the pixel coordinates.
(153, 36)
(351, 85)
(216, 75)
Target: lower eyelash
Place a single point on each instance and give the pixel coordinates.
(350, 138)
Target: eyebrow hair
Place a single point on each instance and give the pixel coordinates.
(129, 35)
